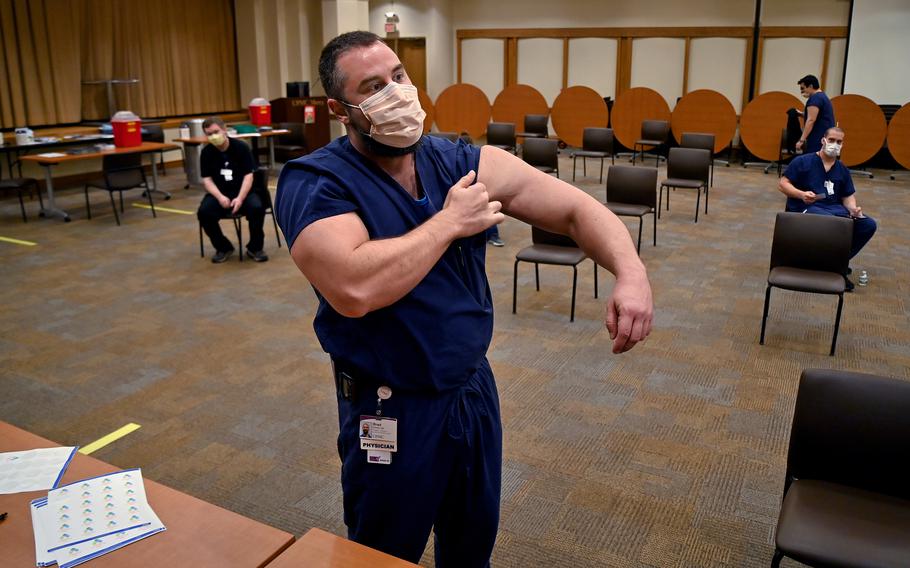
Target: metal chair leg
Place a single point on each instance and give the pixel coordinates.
(121, 202)
(148, 193)
(88, 207)
(697, 202)
(660, 199)
(238, 227)
(537, 275)
(574, 285)
(201, 245)
(584, 166)
(601, 170)
(840, 305)
(277, 234)
(114, 206)
(641, 221)
(655, 228)
(515, 287)
(778, 556)
(764, 317)
(574, 166)
(595, 278)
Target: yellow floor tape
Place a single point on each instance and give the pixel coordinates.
(167, 209)
(112, 437)
(17, 241)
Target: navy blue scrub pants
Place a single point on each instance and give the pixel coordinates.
(863, 228)
(446, 474)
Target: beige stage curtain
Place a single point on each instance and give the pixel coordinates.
(39, 65)
(182, 52)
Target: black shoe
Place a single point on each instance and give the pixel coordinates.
(222, 256)
(849, 284)
(258, 256)
(849, 270)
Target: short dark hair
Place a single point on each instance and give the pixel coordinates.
(809, 81)
(835, 129)
(332, 79)
(213, 120)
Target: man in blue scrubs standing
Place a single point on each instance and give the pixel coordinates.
(818, 115)
(389, 228)
(820, 184)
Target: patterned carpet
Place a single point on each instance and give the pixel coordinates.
(670, 455)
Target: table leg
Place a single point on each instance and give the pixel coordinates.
(271, 152)
(155, 180)
(51, 209)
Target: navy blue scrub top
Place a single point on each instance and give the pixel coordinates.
(807, 172)
(823, 121)
(434, 337)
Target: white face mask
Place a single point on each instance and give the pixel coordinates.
(395, 115)
(832, 149)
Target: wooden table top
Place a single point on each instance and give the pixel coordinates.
(516, 101)
(899, 136)
(575, 109)
(198, 533)
(631, 108)
(865, 127)
(142, 148)
(705, 111)
(463, 108)
(319, 549)
(762, 121)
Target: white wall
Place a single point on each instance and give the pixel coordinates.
(592, 63)
(805, 12)
(430, 19)
(658, 63)
(786, 60)
(540, 66)
(877, 64)
(718, 63)
(483, 65)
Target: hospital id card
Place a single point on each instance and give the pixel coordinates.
(829, 186)
(227, 174)
(378, 433)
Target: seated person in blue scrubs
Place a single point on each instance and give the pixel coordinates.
(819, 183)
(818, 114)
(389, 228)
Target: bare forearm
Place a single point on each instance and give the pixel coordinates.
(605, 239)
(810, 122)
(788, 189)
(245, 187)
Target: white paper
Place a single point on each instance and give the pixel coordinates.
(52, 155)
(91, 517)
(33, 470)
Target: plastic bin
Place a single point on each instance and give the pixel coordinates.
(127, 129)
(260, 112)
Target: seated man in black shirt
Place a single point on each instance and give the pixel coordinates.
(227, 168)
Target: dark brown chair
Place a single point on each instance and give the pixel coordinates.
(784, 156)
(846, 497)
(536, 126)
(20, 186)
(687, 168)
(702, 141)
(550, 248)
(501, 135)
(452, 136)
(595, 143)
(122, 172)
(653, 133)
(154, 133)
(632, 192)
(542, 153)
(261, 188)
(292, 145)
(809, 253)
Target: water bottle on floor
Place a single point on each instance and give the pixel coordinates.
(863, 278)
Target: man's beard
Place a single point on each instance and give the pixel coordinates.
(381, 150)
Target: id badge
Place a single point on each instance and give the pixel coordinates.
(378, 433)
(829, 187)
(227, 174)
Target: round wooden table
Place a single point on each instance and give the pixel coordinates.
(463, 108)
(575, 109)
(899, 136)
(705, 111)
(864, 127)
(426, 103)
(763, 120)
(631, 108)
(516, 101)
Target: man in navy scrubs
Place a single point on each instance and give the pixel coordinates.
(818, 114)
(819, 183)
(389, 228)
